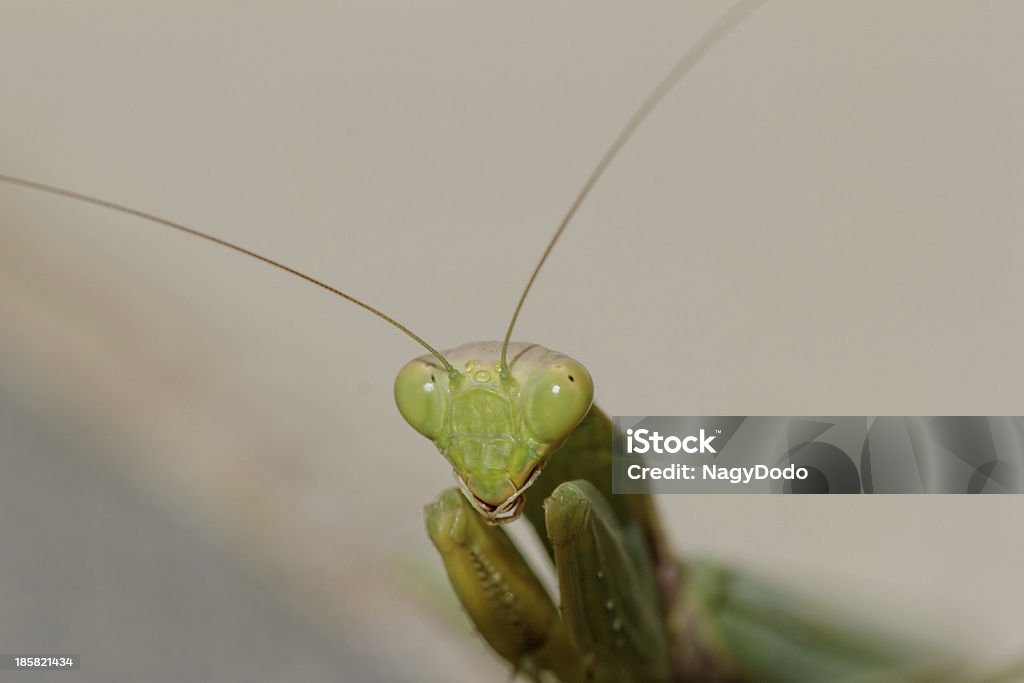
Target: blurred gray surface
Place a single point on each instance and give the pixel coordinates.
(91, 568)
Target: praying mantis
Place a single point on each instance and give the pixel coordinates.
(697, 326)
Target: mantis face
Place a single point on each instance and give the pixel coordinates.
(496, 431)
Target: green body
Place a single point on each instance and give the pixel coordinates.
(629, 610)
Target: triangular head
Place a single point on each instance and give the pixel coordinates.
(496, 429)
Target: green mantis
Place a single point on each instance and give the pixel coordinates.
(523, 438)
(535, 495)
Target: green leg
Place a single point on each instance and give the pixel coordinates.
(502, 595)
(587, 455)
(613, 616)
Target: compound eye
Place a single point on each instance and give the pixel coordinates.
(556, 398)
(419, 393)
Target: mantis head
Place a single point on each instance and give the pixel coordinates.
(495, 428)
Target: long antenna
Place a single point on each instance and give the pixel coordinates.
(61, 192)
(721, 28)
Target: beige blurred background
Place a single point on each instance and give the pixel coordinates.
(203, 475)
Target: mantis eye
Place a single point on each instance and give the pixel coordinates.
(419, 393)
(556, 398)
